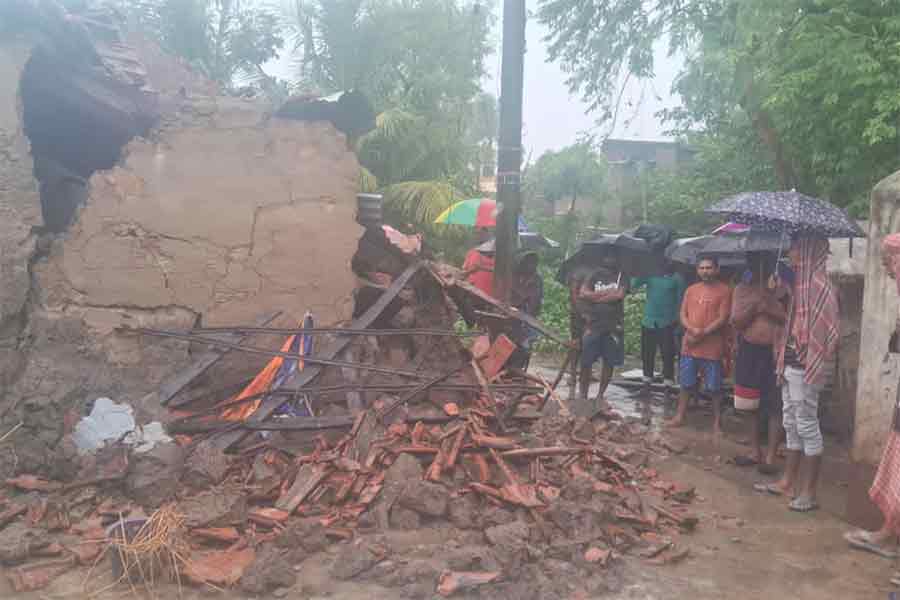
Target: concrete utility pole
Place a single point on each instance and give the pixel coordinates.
(509, 150)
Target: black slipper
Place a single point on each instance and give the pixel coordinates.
(745, 461)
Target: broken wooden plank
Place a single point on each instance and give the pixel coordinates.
(301, 378)
(391, 406)
(509, 311)
(538, 452)
(495, 442)
(173, 385)
(308, 478)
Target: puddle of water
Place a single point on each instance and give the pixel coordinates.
(631, 402)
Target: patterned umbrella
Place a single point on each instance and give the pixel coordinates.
(475, 212)
(790, 212)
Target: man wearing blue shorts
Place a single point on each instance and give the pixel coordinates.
(601, 304)
(705, 312)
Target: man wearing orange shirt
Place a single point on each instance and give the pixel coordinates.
(478, 269)
(705, 312)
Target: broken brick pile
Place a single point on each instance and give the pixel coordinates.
(463, 446)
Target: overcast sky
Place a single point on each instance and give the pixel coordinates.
(553, 118)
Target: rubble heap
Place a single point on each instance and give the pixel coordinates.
(410, 430)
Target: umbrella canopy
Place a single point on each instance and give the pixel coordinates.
(633, 255)
(730, 228)
(475, 212)
(689, 251)
(790, 212)
(753, 240)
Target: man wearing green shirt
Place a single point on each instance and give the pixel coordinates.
(664, 294)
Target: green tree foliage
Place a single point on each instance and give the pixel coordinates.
(816, 80)
(574, 173)
(421, 63)
(227, 40)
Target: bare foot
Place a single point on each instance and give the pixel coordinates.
(675, 422)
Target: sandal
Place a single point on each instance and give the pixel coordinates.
(862, 540)
(745, 461)
(768, 488)
(803, 504)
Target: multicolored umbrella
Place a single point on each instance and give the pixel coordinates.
(475, 212)
(790, 212)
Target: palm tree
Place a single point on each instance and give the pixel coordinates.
(420, 64)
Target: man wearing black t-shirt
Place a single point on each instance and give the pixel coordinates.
(601, 304)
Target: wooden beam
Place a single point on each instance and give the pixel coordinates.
(175, 384)
(226, 440)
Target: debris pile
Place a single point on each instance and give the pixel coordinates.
(390, 424)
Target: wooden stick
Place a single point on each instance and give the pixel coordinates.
(537, 452)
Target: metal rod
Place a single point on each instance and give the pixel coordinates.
(262, 351)
(331, 330)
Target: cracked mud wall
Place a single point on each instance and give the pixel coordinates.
(221, 214)
(19, 210)
(236, 216)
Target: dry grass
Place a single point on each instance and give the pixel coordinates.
(157, 553)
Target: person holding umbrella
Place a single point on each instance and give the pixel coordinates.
(757, 314)
(806, 345)
(478, 268)
(600, 302)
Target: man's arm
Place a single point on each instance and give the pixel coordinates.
(742, 311)
(721, 319)
(774, 309)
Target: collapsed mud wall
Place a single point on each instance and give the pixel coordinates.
(219, 213)
(20, 209)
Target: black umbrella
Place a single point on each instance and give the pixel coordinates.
(752, 240)
(689, 251)
(632, 253)
(790, 212)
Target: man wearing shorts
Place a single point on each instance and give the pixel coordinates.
(705, 312)
(757, 314)
(601, 305)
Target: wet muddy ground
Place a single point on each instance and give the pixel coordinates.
(747, 545)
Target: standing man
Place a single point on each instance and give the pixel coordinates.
(601, 305)
(807, 344)
(664, 295)
(528, 297)
(757, 315)
(705, 312)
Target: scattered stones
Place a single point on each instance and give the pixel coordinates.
(405, 519)
(270, 571)
(356, 558)
(218, 507)
(426, 498)
(205, 466)
(510, 536)
(154, 477)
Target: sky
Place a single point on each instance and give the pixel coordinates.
(554, 118)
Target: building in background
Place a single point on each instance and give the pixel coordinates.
(626, 160)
